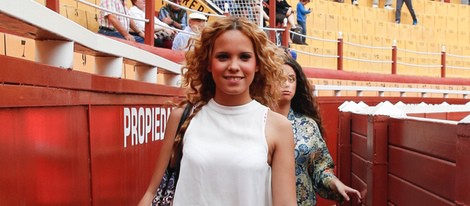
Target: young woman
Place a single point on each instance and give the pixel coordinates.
(235, 150)
(313, 163)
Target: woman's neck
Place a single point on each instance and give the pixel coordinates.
(232, 100)
(283, 108)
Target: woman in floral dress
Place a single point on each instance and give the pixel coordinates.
(314, 167)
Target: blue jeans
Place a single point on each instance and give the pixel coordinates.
(304, 29)
(409, 5)
(108, 32)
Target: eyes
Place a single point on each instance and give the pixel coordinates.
(291, 78)
(225, 56)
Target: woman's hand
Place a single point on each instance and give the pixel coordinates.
(345, 191)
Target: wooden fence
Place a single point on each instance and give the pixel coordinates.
(405, 160)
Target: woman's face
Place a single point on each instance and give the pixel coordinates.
(289, 86)
(233, 67)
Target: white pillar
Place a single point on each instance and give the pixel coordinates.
(109, 66)
(172, 79)
(146, 74)
(55, 53)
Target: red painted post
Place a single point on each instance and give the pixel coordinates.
(149, 26)
(272, 19)
(344, 147)
(443, 62)
(286, 36)
(394, 57)
(272, 35)
(462, 175)
(340, 51)
(54, 5)
(377, 156)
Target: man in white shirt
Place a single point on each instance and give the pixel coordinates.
(138, 11)
(196, 23)
(116, 25)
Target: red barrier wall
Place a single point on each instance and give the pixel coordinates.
(405, 161)
(422, 160)
(454, 116)
(63, 135)
(44, 156)
(66, 137)
(336, 129)
(122, 162)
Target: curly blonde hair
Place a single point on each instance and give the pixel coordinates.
(201, 86)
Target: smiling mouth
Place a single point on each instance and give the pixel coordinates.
(234, 78)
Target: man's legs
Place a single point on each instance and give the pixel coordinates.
(409, 5)
(108, 32)
(398, 11)
(137, 37)
(304, 30)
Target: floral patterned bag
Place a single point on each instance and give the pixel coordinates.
(166, 191)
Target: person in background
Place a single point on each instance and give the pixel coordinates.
(284, 11)
(174, 15)
(138, 11)
(388, 4)
(302, 18)
(289, 52)
(118, 26)
(196, 23)
(375, 3)
(265, 14)
(236, 151)
(314, 167)
(409, 5)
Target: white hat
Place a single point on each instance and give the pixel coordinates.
(197, 16)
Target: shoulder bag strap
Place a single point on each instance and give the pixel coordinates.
(184, 116)
(178, 146)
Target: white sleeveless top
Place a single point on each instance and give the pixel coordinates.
(225, 158)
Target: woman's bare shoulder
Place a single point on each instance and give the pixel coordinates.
(277, 120)
(176, 113)
(278, 127)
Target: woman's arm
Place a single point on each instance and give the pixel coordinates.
(164, 157)
(322, 168)
(281, 149)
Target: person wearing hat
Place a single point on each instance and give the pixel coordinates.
(196, 23)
